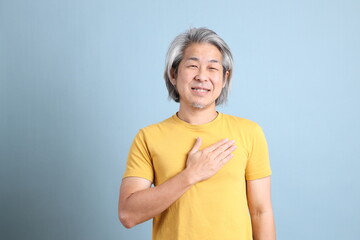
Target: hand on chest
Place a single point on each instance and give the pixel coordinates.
(169, 157)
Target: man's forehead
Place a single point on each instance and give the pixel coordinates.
(199, 51)
(198, 60)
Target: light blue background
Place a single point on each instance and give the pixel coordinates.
(79, 78)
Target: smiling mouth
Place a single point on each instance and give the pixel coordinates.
(200, 89)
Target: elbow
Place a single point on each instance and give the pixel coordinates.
(255, 213)
(126, 220)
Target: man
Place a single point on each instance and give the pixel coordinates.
(210, 171)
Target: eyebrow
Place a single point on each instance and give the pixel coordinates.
(197, 59)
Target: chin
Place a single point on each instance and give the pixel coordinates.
(198, 105)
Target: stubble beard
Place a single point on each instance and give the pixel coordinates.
(197, 105)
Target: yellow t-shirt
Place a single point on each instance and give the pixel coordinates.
(214, 209)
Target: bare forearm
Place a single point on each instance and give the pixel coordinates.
(139, 202)
(148, 203)
(263, 226)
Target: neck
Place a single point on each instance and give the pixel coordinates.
(197, 116)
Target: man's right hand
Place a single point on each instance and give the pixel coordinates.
(138, 201)
(203, 164)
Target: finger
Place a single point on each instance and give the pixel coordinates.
(222, 148)
(225, 160)
(196, 146)
(223, 154)
(216, 145)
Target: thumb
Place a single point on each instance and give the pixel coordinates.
(197, 145)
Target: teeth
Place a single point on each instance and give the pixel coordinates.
(200, 90)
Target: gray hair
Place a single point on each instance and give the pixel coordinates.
(176, 51)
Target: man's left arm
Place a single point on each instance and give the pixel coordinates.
(259, 201)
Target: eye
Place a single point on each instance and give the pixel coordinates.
(192, 66)
(213, 68)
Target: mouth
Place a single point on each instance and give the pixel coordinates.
(200, 89)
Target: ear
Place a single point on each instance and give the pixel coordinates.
(172, 75)
(226, 78)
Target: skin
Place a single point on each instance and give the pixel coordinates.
(199, 81)
(200, 68)
(260, 207)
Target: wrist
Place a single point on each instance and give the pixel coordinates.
(188, 177)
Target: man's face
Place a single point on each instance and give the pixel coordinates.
(199, 78)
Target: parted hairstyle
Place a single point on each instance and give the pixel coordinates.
(176, 52)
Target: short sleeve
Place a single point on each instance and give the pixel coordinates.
(258, 165)
(139, 162)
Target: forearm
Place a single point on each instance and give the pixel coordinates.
(139, 202)
(263, 225)
(148, 203)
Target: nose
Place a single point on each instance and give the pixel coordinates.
(201, 76)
